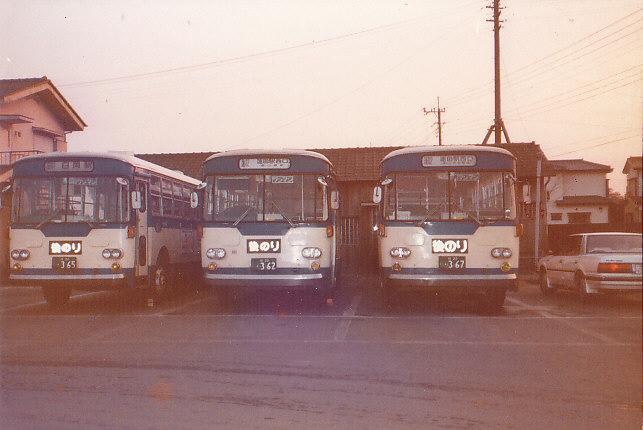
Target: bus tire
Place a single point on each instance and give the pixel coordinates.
(162, 278)
(493, 300)
(56, 296)
(388, 294)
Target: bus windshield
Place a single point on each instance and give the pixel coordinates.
(440, 196)
(266, 198)
(70, 199)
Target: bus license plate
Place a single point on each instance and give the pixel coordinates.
(451, 263)
(63, 264)
(263, 264)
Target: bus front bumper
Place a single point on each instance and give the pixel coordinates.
(468, 279)
(283, 279)
(86, 279)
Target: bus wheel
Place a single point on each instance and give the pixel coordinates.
(56, 296)
(388, 294)
(493, 300)
(161, 279)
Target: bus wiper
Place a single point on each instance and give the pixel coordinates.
(243, 215)
(426, 218)
(292, 224)
(48, 219)
(474, 218)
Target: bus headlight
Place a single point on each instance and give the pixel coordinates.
(311, 252)
(400, 252)
(215, 253)
(501, 252)
(113, 254)
(20, 254)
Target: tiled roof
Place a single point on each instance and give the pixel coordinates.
(583, 200)
(350, 164)
(633, 163)
(8, 86)
(49, 94)
(575, 165)
(357, 164)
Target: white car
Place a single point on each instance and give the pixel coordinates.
(593, 263)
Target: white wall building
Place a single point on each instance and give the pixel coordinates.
(577, 192)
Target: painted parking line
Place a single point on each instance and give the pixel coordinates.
(183, 306)
(42, 302)
(566, 321)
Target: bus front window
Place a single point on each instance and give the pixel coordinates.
(266, 198)
(441, 196)
(70, 199)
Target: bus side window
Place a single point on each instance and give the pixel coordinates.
(140, 187)
(155, 196)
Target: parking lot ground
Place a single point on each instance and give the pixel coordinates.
(114, 359)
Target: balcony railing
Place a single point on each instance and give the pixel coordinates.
(7, 158)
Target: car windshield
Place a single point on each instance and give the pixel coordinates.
(436, 196)
(70, 199)
(266, 198)
(617, 243)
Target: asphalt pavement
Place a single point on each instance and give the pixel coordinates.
(123, 360)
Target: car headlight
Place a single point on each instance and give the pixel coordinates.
(501, 252)
(20, 254)
(113, 254)
(311, 252)
(400, 252)
(215, 253)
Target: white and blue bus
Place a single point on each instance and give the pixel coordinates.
(269, 222)
(448, 219)
(94, 221)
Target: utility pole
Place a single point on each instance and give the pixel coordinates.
(437, 111)
(498, 127)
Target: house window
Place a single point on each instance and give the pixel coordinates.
(579, 217)
(556, 216)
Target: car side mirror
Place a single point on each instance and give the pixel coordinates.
(334, 200)
(377, 195)
(194, 199)
(137, 201)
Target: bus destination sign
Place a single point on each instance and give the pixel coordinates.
(69, 166)
(461, 160)
(264, 163)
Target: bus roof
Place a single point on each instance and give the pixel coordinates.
(266, 152)
(446, 149)
(125, 157)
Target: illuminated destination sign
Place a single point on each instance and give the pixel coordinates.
(448, 160)
(69, 166)
(264, 163)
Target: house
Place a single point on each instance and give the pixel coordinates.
(34, 118)
(577, 198)
(633, 217)
(357, 171)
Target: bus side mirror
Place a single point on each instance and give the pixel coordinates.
(137, 202)
(334, 200)
(194, 199)
(377, 195)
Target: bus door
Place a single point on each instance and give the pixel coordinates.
(142, 254)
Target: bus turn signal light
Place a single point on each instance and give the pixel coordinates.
(330, 231)
(131, 232)
(614, 268)
(520, 230)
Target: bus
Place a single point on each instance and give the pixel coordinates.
(269, 222)
(447, 218)
(94, 221)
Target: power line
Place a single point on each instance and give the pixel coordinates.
(594, 146)
(242, 58)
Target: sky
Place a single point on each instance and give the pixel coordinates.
(191, 76)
